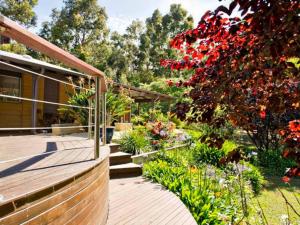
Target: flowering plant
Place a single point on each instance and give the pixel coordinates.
(160, 132)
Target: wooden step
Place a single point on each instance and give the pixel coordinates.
(125, 170)
(114, 148)
(118, 158)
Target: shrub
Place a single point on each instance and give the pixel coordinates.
(134, 142)
(69, 114)
(204, 154)
(273, 163)
(195, 134)
(174, 119)
(209, 201)
(254, 176)
(138, 120)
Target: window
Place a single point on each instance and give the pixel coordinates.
(10, 85)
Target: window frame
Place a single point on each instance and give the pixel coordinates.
(11, 74)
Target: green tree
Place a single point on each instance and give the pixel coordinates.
(124, 57)
(154, 41)
(20, 11)
(79, 27)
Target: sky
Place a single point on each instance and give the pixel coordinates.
(122, 12)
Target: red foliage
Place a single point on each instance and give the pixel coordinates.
(291, 138)
(242, 64)
(263, 114)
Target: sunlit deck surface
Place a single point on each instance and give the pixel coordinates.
(71, 155)
(136, 201)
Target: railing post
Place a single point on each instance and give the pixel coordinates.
(97, 119)
(35, 92)
(104, 118)
(90, 114)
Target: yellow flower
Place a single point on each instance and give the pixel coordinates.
(218, 194)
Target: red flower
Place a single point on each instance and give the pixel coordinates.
(294, 125)
(155, 131)
(170, 83)
(154, 142)
(262, 114)
(281, 132)
(186, 58)
(285, 179)
(285, 153)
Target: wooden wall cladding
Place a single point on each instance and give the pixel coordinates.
(82, 199)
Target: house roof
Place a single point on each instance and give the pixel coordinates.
(29, 61)
(10, 29)
(142, 95)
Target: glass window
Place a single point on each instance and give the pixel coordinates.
(10, 85)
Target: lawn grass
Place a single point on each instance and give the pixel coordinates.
(273, 204)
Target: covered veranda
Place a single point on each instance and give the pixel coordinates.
(141, 95)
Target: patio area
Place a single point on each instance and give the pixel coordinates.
(35, 168)
(38, 171)
(136, 201)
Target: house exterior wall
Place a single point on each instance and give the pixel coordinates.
(19, 114)
(63, 90)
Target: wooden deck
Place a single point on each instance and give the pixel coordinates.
(28, 179)
(136, 201)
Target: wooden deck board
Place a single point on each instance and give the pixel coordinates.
(73, 153)
(136, 201)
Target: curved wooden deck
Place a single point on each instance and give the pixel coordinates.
(136, 201)
(65, 187)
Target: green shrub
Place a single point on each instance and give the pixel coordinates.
(135, 142)
(273, 163)
(229, 146)
(254, 176)
(203, 154)
(176, 121)
(208, 201)
(69, 114)
(138, 120)
(194, 134)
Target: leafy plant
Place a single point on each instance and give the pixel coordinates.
(208, 200)
(135, 142)
(254, 176)
(71, 114)
(138, 120)
(117, 105)
(273, 163)
(203, 154)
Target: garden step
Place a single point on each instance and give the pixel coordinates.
(114, 148)
(118, 158)
(125, 170)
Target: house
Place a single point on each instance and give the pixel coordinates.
(21, 76)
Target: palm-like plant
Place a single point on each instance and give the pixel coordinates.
(117, 105)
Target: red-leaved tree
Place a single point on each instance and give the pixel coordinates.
(247, 65)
